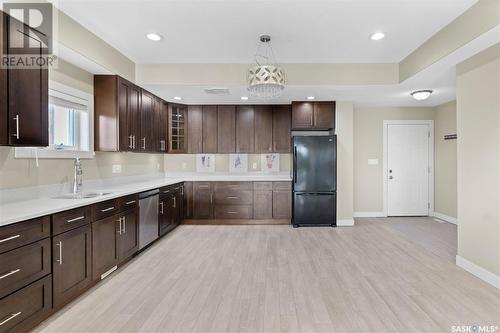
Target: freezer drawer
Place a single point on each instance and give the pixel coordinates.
(314, 209)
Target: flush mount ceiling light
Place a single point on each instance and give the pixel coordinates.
(421, 95)
(310, 98)
(266, 79)
(244, 98)
(154, 37)
(377, 36)
(177, 98)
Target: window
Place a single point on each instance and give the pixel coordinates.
(70, 125)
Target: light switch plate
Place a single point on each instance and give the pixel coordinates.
(116, 168)
(183, 165)
(254, 165)
(372, 161)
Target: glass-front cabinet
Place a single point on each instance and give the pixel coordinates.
(177, 128)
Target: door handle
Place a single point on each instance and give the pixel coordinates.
(10, 317)
(9, 273)
(143, 143)
(16, 118)
(131, 141)
(295, 165)
(107, 209)
(174, 201)
(75, 219)
(161, 208)
(124, 227)
(60, 260)
(9, 238)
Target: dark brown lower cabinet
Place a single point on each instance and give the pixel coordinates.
(165, 214)
(262, 205)
(188, 200)
(128, 240)
(71, 264)
(203, 200)
(104, 250)
(282, 204)
(27, 307)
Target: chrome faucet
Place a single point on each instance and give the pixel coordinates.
(78, 176)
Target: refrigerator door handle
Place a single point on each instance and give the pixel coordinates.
(295, 165)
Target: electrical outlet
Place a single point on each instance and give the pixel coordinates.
(254, 165)
(116, 168)
(183, 166)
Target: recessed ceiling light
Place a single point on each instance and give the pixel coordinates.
(177, 98)
(244, 98)
(421, 95)
(154, 37)
(310, 98)
(377, 36)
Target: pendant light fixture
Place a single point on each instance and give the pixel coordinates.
(266, 79)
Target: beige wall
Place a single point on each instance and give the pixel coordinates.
(368, 144)
(187, 162)
(478, 123)
(345, 160)
(445, 160)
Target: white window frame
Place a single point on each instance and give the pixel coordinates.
(81, 97)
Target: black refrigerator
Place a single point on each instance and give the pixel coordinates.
(314, 181)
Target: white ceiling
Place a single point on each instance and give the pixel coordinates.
(226, 31)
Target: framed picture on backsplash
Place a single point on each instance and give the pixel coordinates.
(205, 162)
(238, 162)
(270, 162)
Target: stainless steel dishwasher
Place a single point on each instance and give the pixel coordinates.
(148, 217)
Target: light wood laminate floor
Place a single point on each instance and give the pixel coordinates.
(368, 278)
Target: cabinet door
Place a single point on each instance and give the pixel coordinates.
(282, 204)
(160, 124)
(262, 205)
(203, 200)
(134, 116)
(188, 200)
(209, 129)
(128, 240)
(163, 126)
(177, 128)
(263, 120)
(71, 264)
(302, 115)
(104, 245)
(163, 217)
(282, 136)
(124, 126)
(226, 131)
(27, 88)
(245, 129)
(147, 119)
(324, 115)
(195, 128)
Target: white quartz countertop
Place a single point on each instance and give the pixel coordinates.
(26, 207)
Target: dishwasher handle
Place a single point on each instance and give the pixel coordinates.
(148, 194)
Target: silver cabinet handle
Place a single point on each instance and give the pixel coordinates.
(124, 228)
(129, 202)
(16, 118)
(130, 141)
(119, 225)
(133, 141)
(75, 219)
(9, 238)
(60, 260)
(232, 212)
(161, 208)
(174, 201)
(9, 273)
(107, 209)
(203, 186)
(167, 191)
(232, 197)
(10, 317)
(143, 143)
(182, 190)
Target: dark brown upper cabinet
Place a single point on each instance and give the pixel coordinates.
(195, 129)
(23, 92)
(263, 124)
(177, 128)
(226, 129)
(161, 125)
(313, 115)
(117, 119)
(147, 122)
(209, 132)
(245, 129)
(282, 123)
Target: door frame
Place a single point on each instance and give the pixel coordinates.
(430, 123)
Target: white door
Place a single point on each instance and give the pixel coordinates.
(408, 169)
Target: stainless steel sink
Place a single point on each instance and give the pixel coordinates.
(82, 195)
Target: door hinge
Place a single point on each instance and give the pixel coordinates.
(429, 134)
(429, 205)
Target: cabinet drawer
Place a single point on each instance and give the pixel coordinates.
(166, 191)
(282, 186)
(128, 202)
(70, 219)
(19, 234)
(24, 265)
(262, 186)
(233, 197)
(199, 186)
(233, 212)
(26, 307)
(105, 209)
(233, 186)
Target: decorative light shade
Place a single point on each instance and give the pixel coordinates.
(267, 79)
(421, 95)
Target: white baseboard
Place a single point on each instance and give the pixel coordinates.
(445, 218)
(369, 214)
(345, 223)
(478, 271)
